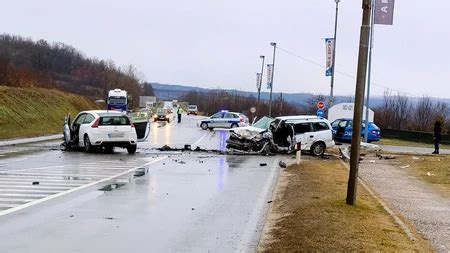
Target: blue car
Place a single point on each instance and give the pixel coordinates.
(343, 130)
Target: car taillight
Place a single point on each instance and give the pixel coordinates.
(96, 122)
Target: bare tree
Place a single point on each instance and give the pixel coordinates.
(423, 114)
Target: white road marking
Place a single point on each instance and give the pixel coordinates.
(258, 210)
(200, 139)
(31, 202)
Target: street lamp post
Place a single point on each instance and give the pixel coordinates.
(271, 79)
(260, 80)
(334, 55)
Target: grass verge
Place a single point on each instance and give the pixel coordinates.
(433, 169)
(397, 142)
(26, 112)
(309, 214)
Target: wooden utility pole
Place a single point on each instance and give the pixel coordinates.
(359, 101)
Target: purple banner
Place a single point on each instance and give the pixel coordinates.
(384, 12)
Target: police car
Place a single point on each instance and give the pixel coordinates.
(223, 119)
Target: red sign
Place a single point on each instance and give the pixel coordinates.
(320, 105)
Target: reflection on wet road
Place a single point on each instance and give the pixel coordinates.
(188, 202)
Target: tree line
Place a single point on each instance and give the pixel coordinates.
(215, 100)
(28, 63)
(399, 112)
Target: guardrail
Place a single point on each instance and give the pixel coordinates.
(412, 136)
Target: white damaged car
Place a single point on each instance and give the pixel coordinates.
(100, 129)
(283, 135)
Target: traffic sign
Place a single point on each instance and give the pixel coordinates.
(253, 110)
(320, 112)
(320, 105)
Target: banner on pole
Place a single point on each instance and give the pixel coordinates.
(258, 80)
(269, 75)
(329, 46)
(384, 12)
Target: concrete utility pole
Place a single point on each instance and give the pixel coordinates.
(331, 100)
(369, 74)
(359, 101)
(260, 81)
(271, 79)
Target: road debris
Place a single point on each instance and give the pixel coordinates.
(109, 218)
(35, 183)
(430, 174)
(405, 167)
(140, 172)
(282, 164)
(263, 164)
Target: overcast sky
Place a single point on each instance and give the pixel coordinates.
(217, 43)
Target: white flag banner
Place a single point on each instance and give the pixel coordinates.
(329, 46)
(384, 12)
(258, 80)
(269, 75)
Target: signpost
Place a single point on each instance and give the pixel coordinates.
(320, 112)
(320, 109)
(320, 105)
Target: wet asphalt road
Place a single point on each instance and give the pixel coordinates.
(187, 201)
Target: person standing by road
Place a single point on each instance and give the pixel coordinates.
(179, 112)
(437, 136)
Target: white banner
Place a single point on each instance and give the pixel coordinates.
(269, 75)
(329, 43)
(258, 80)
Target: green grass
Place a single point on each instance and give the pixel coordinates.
(397, 142)
(26, 112)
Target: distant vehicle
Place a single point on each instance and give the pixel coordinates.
(223, 119)
(162, 114)
(100, 129)
(343, 130)
(117, 100)
(192, 109)
(282, 134)
(168, 105)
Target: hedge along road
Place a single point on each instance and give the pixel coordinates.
(188, 201)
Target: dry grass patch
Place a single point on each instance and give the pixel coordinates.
(433, 169)
(310, 214)
(397, 142)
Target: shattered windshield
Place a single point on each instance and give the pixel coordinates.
(263, 123)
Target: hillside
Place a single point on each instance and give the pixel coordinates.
(28, 63)
(174, 91)
(36, 111)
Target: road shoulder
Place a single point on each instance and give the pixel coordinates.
(309, 214)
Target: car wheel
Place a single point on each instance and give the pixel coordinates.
(109, 149)
(131, 149)
(318, 148)
(87, 144)
(234, 125)
(204, 126)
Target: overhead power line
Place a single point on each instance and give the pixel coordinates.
(345, 74)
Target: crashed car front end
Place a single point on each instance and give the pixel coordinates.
(249, 140)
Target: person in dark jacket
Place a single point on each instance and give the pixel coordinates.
(437, 136)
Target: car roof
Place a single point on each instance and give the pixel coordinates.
(98, 112)
(299, 117)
